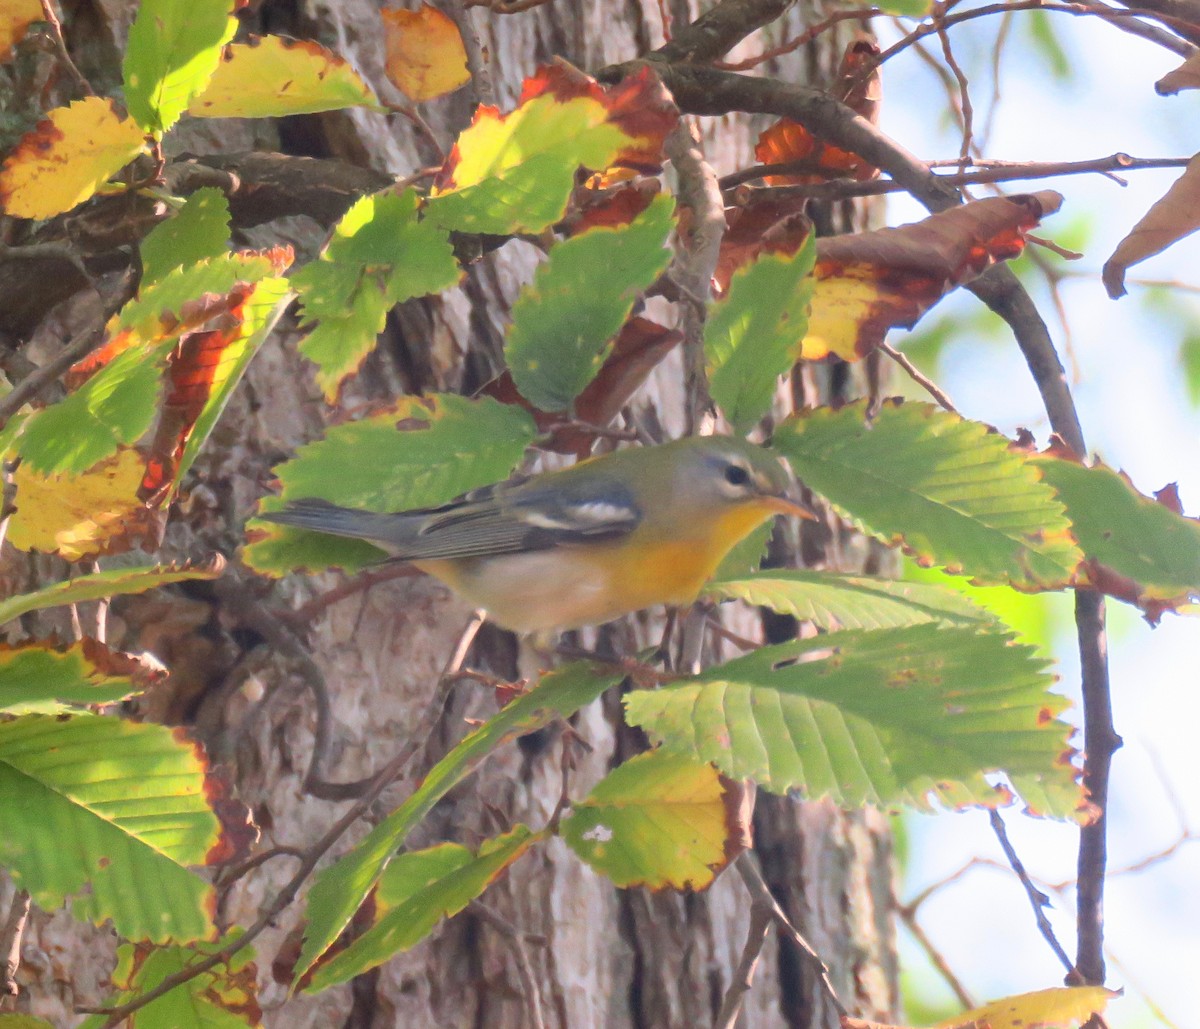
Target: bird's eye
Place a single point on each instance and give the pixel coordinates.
(736, 475)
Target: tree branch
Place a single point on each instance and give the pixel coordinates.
(761, 917)
(719, 29)
(10, 943)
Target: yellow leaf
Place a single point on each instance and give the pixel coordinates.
(66, 157)
(425, 53)
(1058, 1008)
(272, 76)
(79, 516)
(15, 17)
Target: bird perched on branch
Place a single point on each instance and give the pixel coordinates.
(581, 546)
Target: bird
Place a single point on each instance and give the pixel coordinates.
(608, 536)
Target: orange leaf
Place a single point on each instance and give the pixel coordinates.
(1175, 215)
(788, 141)
(64, 159)
(425, 53)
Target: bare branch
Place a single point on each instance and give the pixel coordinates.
(60, 46)
(10, 943)
(719, 29)
(761, 917)
(919, 377)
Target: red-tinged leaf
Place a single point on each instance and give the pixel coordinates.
(1140, 550)
(637, 105)
(425, 53)
(62, 161)
(873, 281)
(639, 348)
(1175, 215)
(610, 206)
(771, 225)
(787, 141)
(1186, 76)
(515, 172)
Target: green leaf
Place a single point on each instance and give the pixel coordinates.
(380, 255)
(338, 891)
(23, 1022)
(416, 891)
(116, 405)
(173, 50)
(36, 679)
(753, 335)
(197, 231)
(109, 583)
(565, 319)
(1137, 549)
(222, 998)
(1189, 362)
(747, 555)
(450, 445)
(883, 717)
(950, 490)
(130, 800)
(514, 172)
(905, 8)
(159, 306)
(1048, 46)
(273, 77)
(658, 820)
(833, 601)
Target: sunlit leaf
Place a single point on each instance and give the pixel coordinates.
(425, 52)
(658, 820)
(1175, 215)
(224, 997)
(174, 48)
(835, 601)
(338, 891)
(380, 255)
(753, 333)
(63, 160)
(274, 76)
(35, 679)
(114, 407)
(886, 717)
(515, 172)
(421, 452)
(564, 320)
(416, 891)
(1061, 1007)
(949, 490)
(130, 799)
(78, 516)
(1140, 550)
(197, 231)
(109, 583)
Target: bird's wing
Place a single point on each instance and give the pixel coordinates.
(506, 520)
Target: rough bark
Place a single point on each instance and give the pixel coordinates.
(609, 958)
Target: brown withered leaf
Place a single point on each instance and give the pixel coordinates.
(609, 206)
(1186, 76)
(1175, 215)
(639, 347)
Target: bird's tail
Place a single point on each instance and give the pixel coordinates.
(322, 516)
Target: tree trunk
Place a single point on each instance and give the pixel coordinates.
(599, 956)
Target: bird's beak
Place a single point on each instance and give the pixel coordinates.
(789, 504)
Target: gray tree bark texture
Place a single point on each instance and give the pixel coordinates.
(600, 957)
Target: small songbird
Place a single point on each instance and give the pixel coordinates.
(587, 544)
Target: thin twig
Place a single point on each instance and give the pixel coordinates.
(805, 37)
(477, 61)
(303, 615)
(908, 916)
(1037, 899)
(985, 172)
(10, 943)
(60, 45)
(423, 128)
(919, 377)
(696, 259)
(761, 917)
(748, 869)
